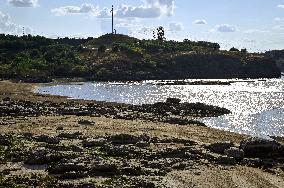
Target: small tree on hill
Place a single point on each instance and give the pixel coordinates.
(234, 49)
(159, 34)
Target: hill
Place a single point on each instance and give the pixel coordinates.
(120, 57)
(278, 56)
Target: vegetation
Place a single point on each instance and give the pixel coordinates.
(278, 56)
(119, 57)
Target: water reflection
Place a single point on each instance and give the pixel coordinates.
(257, 105)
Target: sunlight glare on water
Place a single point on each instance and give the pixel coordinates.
(257, 105)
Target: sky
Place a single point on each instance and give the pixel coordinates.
(257, 25)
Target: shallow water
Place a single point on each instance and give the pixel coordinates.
(257, 105)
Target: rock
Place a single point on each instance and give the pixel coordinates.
(226, 160)
(47, 139)
(219, 147)
(60, 128)
(259, 147)
(105, 169)
(86, 122)
(75, 135)
(91, 142)
(62, 168)
(234, 152)
(132, 170)
(124, 139)
(142, 144)
(173, 100)
(42, 156)
(6, 140)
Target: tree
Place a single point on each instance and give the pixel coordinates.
(234, 49)
(160, 35)
(244, 50)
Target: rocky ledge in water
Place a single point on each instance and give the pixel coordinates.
(121, 160)
(171, 111)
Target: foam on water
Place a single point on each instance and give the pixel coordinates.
(257, 105)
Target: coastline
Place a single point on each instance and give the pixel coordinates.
(192, 164)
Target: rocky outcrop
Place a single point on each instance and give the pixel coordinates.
(171, 111)
(220, 147)
(259, 147)
(132, 156)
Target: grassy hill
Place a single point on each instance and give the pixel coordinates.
(120, 57)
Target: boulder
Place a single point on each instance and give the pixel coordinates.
(62, 168)
(91, 142)
(105, 169)
(47, 139)
(226, 160)
(124, 139)
(86, 122)
(219, 147)
(75, 135)
(234, 152)
(259, 147)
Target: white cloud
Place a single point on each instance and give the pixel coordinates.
(104, 13)
(84, 8)
(251, 31)
(23, 3)
(200, 22)
(8, 27)
(278, 19)
(5, 24)
(279, 27)
(149, 9)
(226, 28)
(167, 7)
(176, 26)
(280, 6)
(126, 11)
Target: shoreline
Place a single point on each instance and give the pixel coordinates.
(101, 151)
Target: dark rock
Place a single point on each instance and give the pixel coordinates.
(6, 139)
(62, 168)
(60, 128)
(226, 160)
(124, 139)
(42, 156)
(132, 170)
(47, 139)
(142, 144)
(91, 142)
(105, 169)
(86, 122)
(220, 147)
(236, 153)
(259, 147)
(75, 135)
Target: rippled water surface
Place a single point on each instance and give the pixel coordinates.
(257, 105)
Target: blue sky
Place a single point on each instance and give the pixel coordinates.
(257, 25)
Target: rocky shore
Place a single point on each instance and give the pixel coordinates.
(49, 141)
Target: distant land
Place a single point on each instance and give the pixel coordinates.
(278, 56)
(116, 57)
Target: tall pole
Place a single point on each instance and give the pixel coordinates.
(112, 19)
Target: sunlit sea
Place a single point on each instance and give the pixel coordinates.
(257, 105)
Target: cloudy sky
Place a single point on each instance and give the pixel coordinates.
(257, 25)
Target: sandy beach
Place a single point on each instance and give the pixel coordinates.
(94, 150)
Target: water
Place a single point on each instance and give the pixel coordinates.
(257, 105)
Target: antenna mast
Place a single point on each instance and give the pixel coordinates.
(112, 19)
